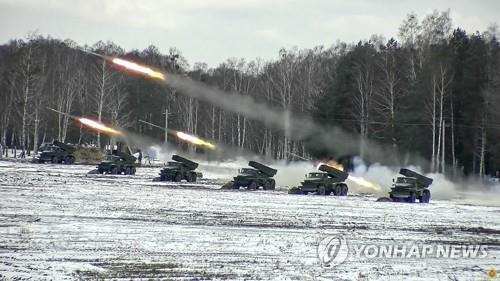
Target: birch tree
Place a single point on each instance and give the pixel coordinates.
(29, 74)
(389, 92)
(364, 78)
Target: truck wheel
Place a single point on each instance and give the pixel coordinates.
(267, 185)
(345, 190)
(133, 171)
(114, 171)
(54, 160)
(426, 196)
(336, 190)
(178, 178)
(128, 171)
(321, 190)
(273, 184)
(412, 198)
(193, 177)
(69, 160)
(252, 185)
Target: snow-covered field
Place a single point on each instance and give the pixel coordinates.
(57, 222)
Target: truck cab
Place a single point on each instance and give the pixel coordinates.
(178, 170)
(258, 175)
(410, 187)
(329, 180)
(56, 152)
(117, 163)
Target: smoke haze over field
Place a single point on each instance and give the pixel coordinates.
(291, 174)
(332, 139)
(469, 191)
(302, 128)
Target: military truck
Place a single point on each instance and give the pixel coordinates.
(252, 178)
(55, 152)
(179, 169)
(329, 180)
(411, 187)
(117, 163)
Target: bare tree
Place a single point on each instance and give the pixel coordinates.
(409, 32)
(8, 97)
(71, 86)
(389, 92)
(117, 104)
(364, 77)
(29, 73)
(104, 80)
(436, 27)
(282, 78)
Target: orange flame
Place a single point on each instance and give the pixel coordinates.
(138, 68)
(194, 140)
(98, 126)
(357, 180)
(333, 164)
(365, 183)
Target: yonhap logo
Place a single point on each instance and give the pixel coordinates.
(332, 251)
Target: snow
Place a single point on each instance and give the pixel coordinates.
(58, 223)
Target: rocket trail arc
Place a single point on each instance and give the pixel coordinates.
(183, 136)
(95, 54)
(298, 127)
(90, 123)
(130, 66)
(66, 114)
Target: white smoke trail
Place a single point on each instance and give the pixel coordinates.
(301, 128)
(468, 192)
(333, 139)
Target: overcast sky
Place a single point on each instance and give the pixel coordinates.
(214, 30)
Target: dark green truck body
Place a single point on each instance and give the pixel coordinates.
(411, 187)
(179, 169)
(55, 152)
(118, 163)
(259, 175)
(329, 181)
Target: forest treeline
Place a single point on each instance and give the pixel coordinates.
(432, 90)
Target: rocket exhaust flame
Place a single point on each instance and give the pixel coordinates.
(357, 180)
(333, 164)
(194, 140)
(129, 65)
(183, 136)
(98, 126)
(90, 123)
(132, 66)
(364, 183)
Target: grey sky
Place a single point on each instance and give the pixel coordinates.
(214, 30)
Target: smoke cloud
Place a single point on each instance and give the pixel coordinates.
(299, 128)
(333, 139)
(469, 191)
